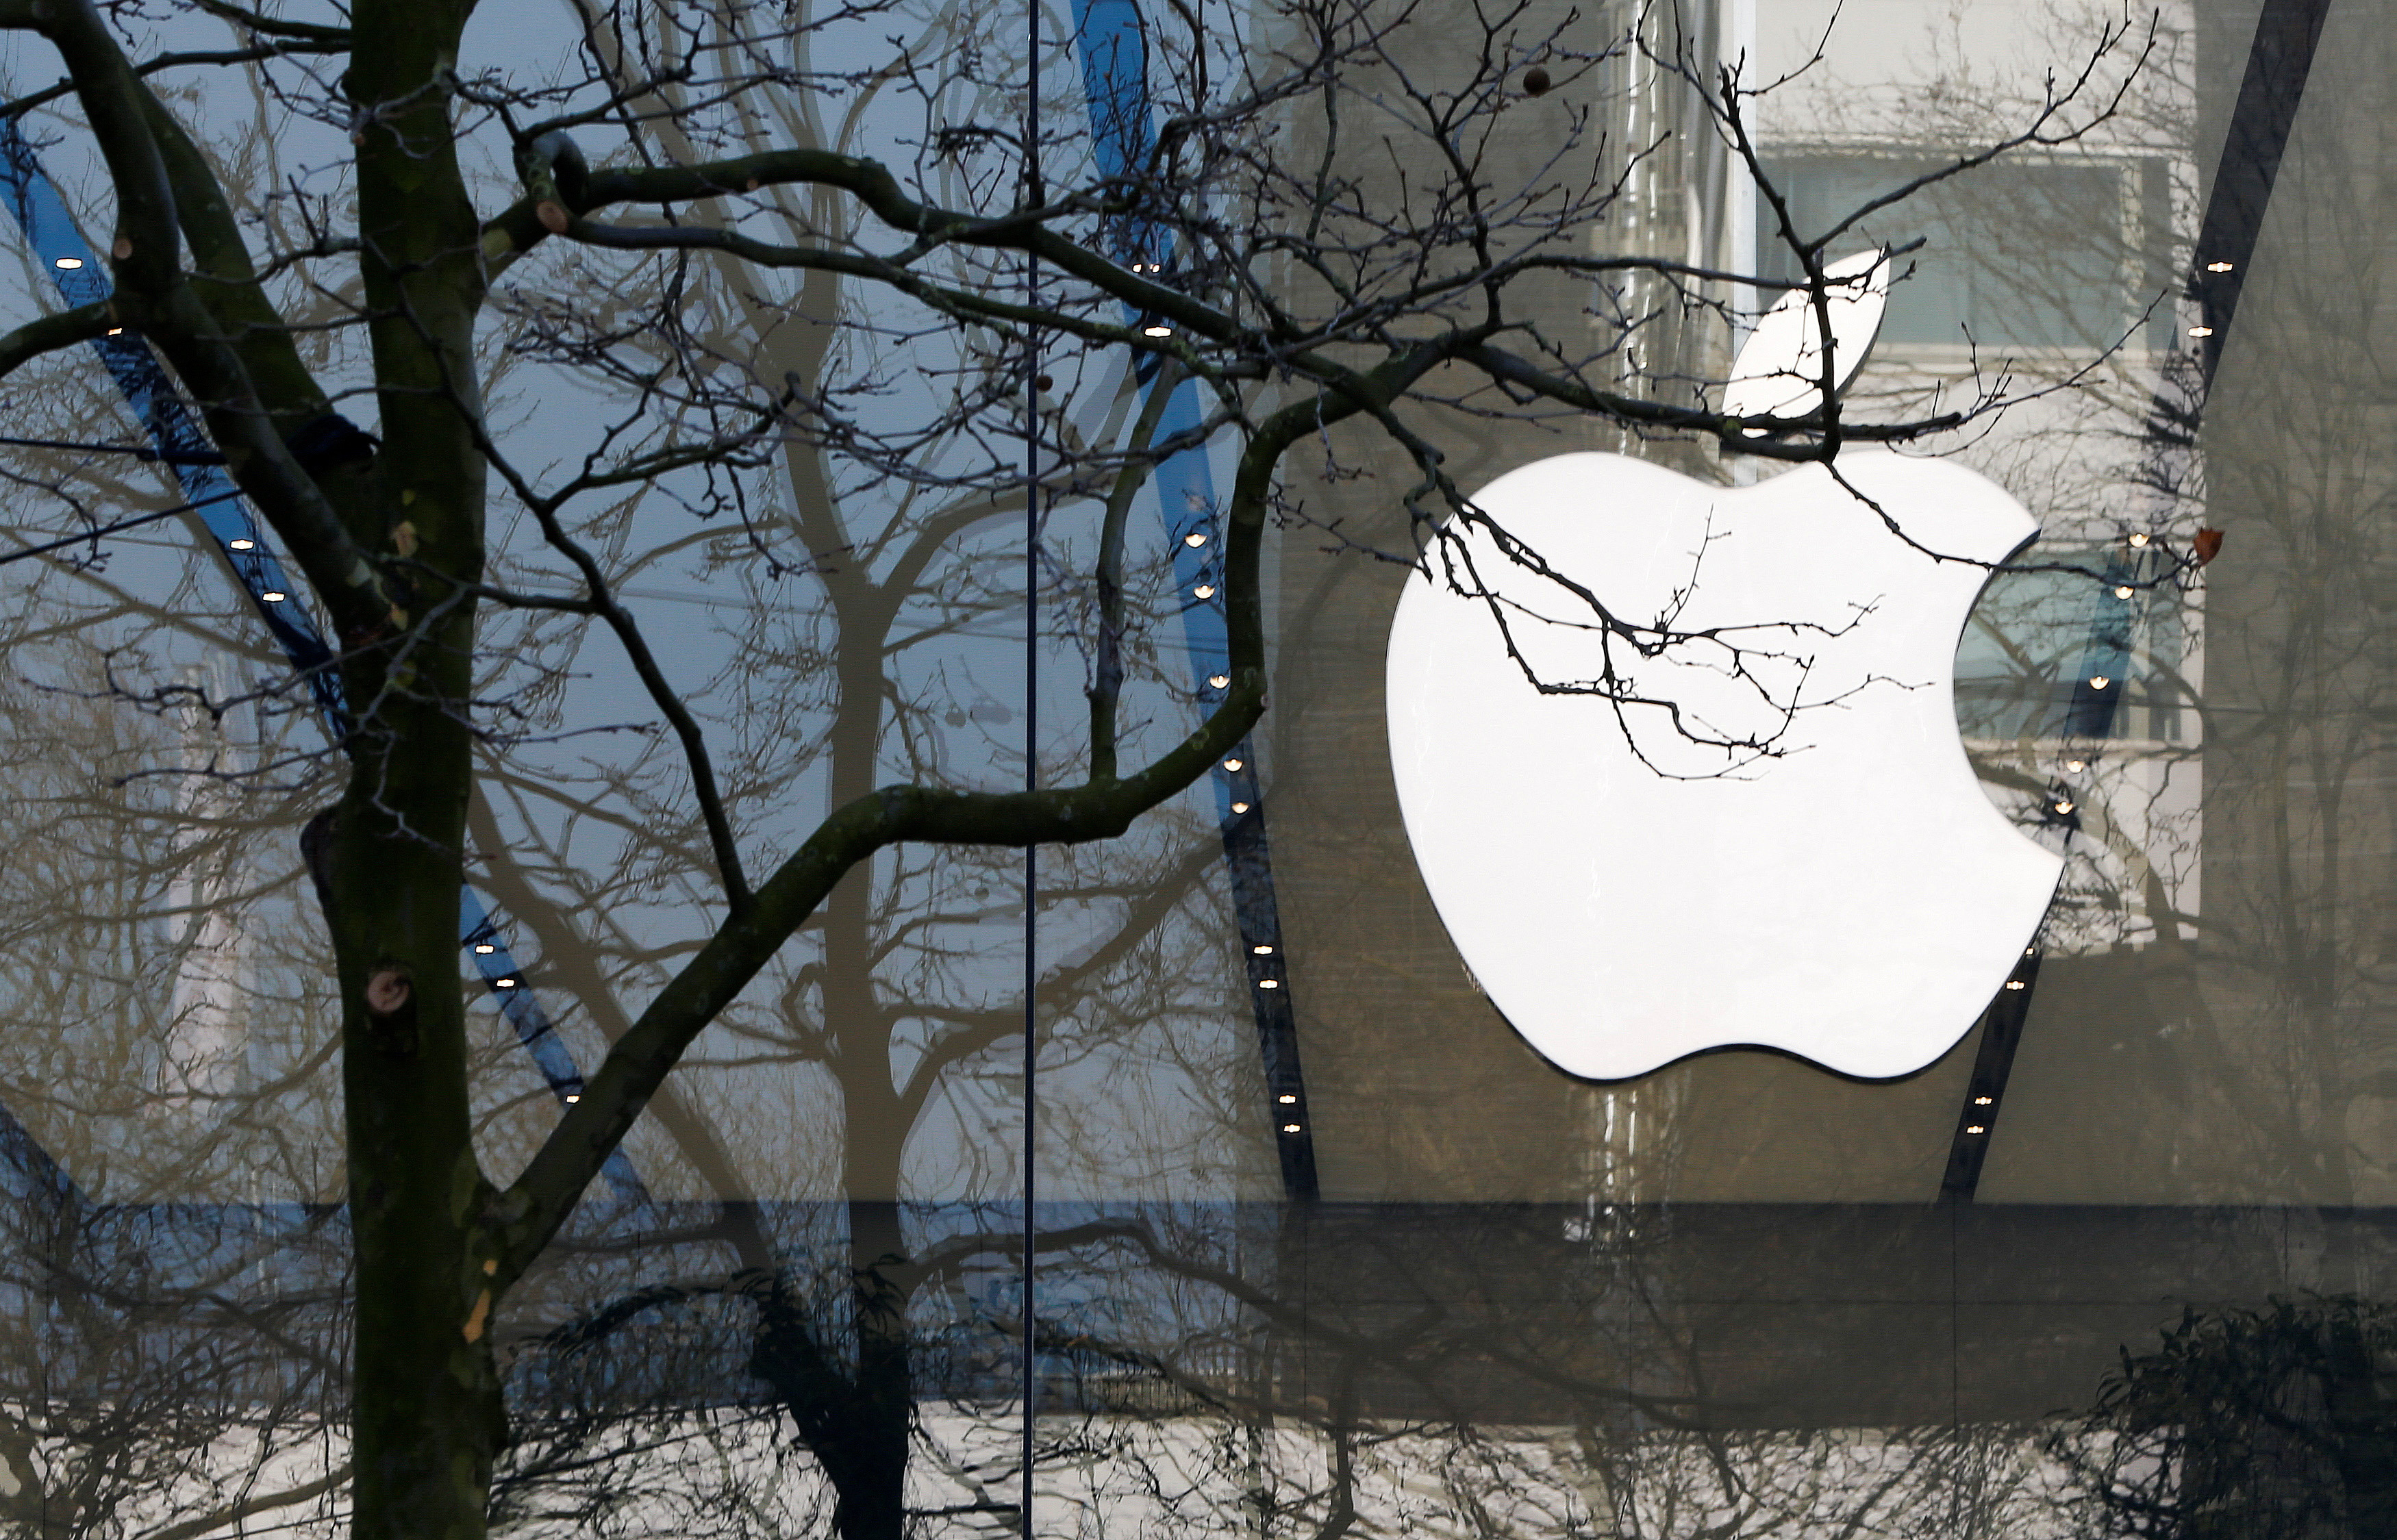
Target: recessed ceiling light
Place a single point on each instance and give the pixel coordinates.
(274, 595)
(1261, 951)
(573, 1097)
(2217, 267)
(1289, 1128)
(2200, 332)
(67, 265)
(1157, 331)
(1285, 1099)
(505, 984)
(1974, 1127)
(484, 949)
(116, 332)
(2014, 984)
(1270, 984)
(1983, 1101)
(242, 544)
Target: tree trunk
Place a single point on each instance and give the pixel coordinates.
(857, 1416)
(427, 1419)
(872, 1503)
(870, 1471)
(855, 1419)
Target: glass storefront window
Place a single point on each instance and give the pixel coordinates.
(1191, 1179)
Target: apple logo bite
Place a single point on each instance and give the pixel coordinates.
(1766, 833)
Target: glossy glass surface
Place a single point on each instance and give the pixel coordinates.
(1325, 1248)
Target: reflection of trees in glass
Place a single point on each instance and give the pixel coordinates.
(2248, 1425)
(2030, 254)
(2042, 636)
(2230, 1043)
(2072, 683)
(834, 362)
(1460, 1371)
(2259, 1048)
(883, 1062)
(157, 986)
(189, 1366)
(2061, 271)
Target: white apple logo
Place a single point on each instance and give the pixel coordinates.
(1628, 890)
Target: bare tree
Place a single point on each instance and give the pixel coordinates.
(849, 308)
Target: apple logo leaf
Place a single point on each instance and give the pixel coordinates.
(1779, 370)
(1680, 764)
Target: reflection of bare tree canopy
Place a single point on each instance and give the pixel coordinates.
(178, 1390)
(2252, 1423)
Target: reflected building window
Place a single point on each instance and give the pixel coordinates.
(2083, 644)
(2023, 253)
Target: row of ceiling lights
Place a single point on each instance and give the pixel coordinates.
(1987, 1101)
(2205, 330)
(1233, 766)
